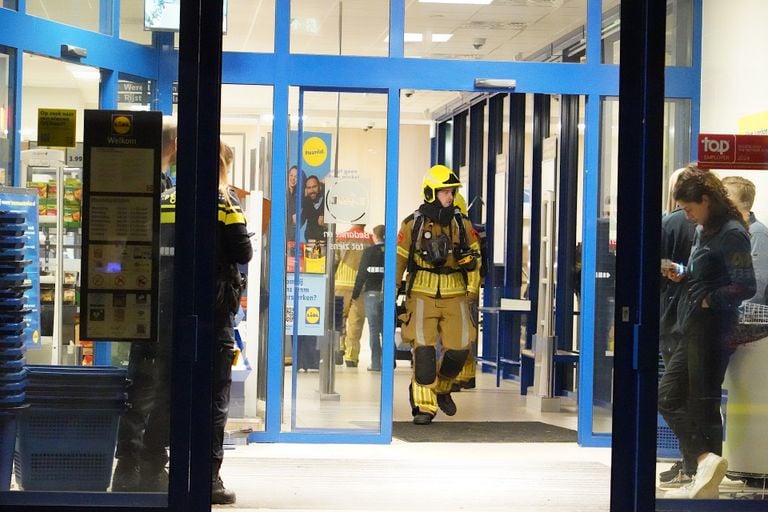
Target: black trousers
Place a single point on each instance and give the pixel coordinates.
(222, 384)
(157, 435)
(144, 430)
(142, 374)
(690, 389)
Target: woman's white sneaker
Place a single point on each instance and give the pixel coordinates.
(710, 473)
(706, 482)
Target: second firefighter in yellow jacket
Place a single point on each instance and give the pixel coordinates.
(352, 243)
(439, 250)
(466, 378)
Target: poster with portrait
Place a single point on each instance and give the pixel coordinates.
(309, 168)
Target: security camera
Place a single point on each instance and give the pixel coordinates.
(478, 42)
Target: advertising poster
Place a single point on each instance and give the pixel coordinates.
(311, 304)
(305, 200)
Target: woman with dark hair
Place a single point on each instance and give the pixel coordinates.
(719, 275)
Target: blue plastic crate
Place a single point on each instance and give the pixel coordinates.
(77, 374)
(66, 449)
(13, 401)
(12, 375)
(12, 387)
(667, 445)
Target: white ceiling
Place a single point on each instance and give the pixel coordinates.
(504, 30)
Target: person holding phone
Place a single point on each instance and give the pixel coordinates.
(718, 277)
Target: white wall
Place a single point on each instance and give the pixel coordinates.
(50, 97)
(734, 74)
(414, 163)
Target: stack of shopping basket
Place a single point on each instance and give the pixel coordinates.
(66, 438)
(13, 381)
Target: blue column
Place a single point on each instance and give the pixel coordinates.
(167, 71)
(102, 353)
(281, 126)
(396, 28)
(588, 257)
(109, 18)
(108, 90)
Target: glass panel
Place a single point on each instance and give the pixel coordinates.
(677, 126)
(93, 400)
(134, 93)
(250, 26)
(500, 31)
(333, 27)
(70, 12)
(246, 126)
(679, 34)
(724, 386)
(677, 138)
(132, 22)
(605, 268)
(130, 434)
(239, 22)
(611, 31)
(343, 159)
(10, 4)
(7, 101)
(51, 83)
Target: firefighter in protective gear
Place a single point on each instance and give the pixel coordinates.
(438, 248)
(466, 379)
(352, 243)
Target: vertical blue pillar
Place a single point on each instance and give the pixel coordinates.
(167, 71)
(108, 90)
(109, 18)
(102, 353)
(281, 128)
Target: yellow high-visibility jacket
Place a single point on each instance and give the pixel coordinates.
(351, 244)
(449, 284)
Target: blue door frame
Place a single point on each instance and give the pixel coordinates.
(282, 70)
(273, 431)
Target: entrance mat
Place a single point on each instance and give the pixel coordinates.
(482, 432)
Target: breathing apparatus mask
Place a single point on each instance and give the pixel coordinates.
(435, 249)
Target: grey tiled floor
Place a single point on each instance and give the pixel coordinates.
(426, 476)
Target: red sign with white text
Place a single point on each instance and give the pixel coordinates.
(723, 151)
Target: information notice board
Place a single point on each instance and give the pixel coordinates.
(121, 201)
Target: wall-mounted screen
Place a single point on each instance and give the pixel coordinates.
(164, 15)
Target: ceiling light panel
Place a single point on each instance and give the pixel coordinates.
(441, 38)
(465, 2)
